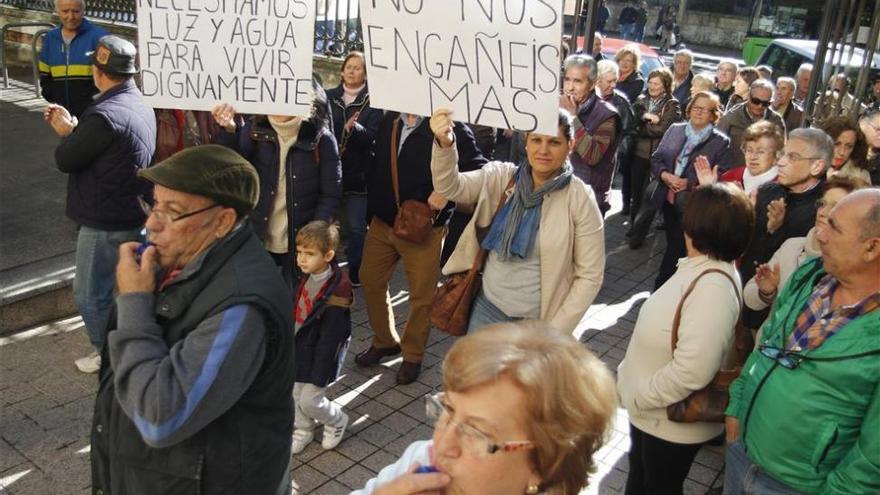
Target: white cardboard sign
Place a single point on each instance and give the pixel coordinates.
(253, 54)
(493, 62)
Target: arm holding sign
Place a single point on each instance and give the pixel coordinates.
(233, 135)
(448, 181)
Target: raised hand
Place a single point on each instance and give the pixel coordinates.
(706, 173)
(441, 126)
(767, 278)
(224, 115)
(775, 215)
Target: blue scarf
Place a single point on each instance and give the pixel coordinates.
(515, 227)
(694, 138)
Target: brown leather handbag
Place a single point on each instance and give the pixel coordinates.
(708, 403)
(415, 219)
(453, 299)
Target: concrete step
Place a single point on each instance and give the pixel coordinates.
(36, 292)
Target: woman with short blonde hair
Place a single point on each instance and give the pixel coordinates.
(629, 59)
(547, 400)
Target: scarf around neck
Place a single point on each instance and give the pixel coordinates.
(515, 227)
(694, 138)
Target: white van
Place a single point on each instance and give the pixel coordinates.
(786, 55)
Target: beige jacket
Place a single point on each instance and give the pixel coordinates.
(571, 237)
(651, 377)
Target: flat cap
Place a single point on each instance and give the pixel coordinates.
(211, 170)
(114, 55)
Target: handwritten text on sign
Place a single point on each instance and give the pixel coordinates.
(494, 62)
(254, 54)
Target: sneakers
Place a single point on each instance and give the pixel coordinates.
(301, 440)
(333, 434)
(89, 364)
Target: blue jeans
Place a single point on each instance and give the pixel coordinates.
(744, 477)
(627, 31)
(485, 313)
(355, 205)
(97, 252)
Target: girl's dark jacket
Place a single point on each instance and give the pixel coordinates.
(358, 147)
(322, 340)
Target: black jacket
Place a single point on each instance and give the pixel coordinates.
(682, 92)
(356, 148)
(246, 449)
(626, 136)
(116, 138)
(314, 186)
(632, 86)
(414, 167)
(322, 340)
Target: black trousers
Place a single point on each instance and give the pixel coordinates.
(675, 247)
(657, 467)
(640, 172)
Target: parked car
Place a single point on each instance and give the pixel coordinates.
(786, 55)
(650, 58)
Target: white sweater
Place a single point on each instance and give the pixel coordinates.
(790, 255)
(417, 453)
(650, 377)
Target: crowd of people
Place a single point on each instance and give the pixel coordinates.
(208, 256)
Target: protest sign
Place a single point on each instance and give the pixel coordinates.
(253, 54)
(493, 62)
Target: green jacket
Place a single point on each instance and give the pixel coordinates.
(816, 427)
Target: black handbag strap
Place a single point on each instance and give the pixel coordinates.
(676, 320)
(395, 136)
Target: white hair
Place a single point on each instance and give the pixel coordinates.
(787, 81)
(805, 67)
(608, 67)
(686, 54)
(581, 61)
(762, 84)
(729, 61)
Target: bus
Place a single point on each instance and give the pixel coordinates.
(773, 19)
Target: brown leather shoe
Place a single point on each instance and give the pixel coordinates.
(373, 355)
(408, 372)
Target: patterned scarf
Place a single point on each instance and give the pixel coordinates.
(515, 227)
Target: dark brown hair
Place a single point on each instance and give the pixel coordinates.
(749, 74)
(665, 76)
(719, 219)
(835, 126)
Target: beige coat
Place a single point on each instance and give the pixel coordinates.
(571, 237)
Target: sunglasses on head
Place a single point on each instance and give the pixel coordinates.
(763, 103)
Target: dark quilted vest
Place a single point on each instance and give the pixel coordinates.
(104, 195)
(245, 450)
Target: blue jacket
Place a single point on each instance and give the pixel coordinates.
(66, 74)
(313, 171)
(102, 191)
(322, 340)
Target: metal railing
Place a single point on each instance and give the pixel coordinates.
(34, 60)
(337, 24)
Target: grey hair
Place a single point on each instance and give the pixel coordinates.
(819, 142)
(804, 67)
(82, 4)
(787, 80)
(685, 53)
(582, 61)
(728, 61)
(762, 84)
(871, 221)
(607, 67)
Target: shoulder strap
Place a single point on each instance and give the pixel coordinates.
(395, 135)
(481, 255)
(676, 320)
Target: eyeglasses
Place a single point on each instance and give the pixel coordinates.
(757, 152)
(165, 217)
(698, 109)
(758, 101)
(785, 358)
(472, 439)
(794, 157)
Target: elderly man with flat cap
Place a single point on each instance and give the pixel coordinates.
(196, 383)
(101, 152)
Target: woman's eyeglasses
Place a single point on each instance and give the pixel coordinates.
(472, 439)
